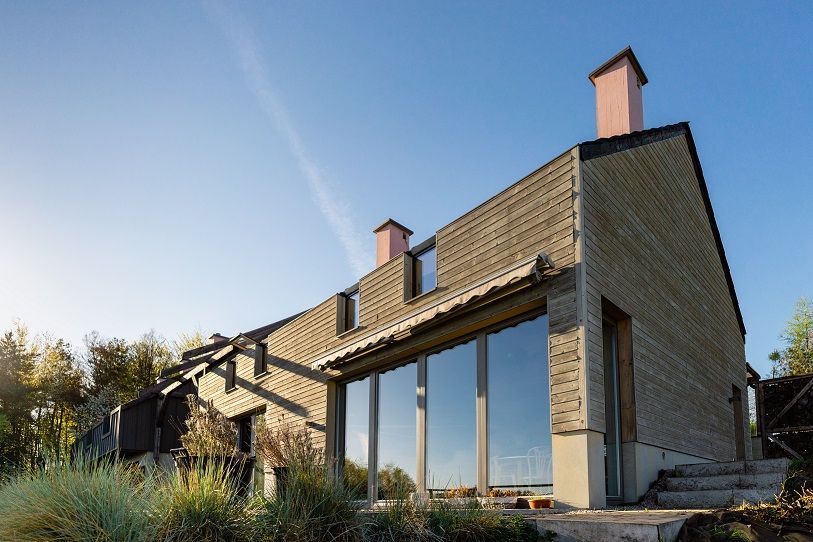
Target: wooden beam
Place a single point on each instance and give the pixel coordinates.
(785, 447)
(792, 402)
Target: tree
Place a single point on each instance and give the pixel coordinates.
(148, 356)
(17, 398)
(797, 356)
(107, 363)
(187, 341)
(58, 391)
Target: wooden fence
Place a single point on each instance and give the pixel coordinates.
(785, 416)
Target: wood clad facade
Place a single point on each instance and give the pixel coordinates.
(649, 249)
(534, 215)
(628, 226)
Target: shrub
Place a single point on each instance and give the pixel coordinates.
(208, 432)
(401, 521)
(474, 524)
(312, 505)
(76, 503)
(203, 504)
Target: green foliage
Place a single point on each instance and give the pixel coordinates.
(393, 482)
(77, 503)
(797, 356)
(125, 367)
(111, 502)
(202, 504)
(312, 504)
(355, 477)
(404, 520)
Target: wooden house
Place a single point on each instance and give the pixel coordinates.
(572, 335)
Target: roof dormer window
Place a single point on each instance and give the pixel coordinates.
(347, 310)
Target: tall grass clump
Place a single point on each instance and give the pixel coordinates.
(202, 503)
(310, 503)
(405, 520)
(78, 502)
(475, 524)
(208, 432)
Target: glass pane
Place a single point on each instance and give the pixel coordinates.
(612, 413)
(397, 403)
(353, 310)
(451, 388)
(356, 435)
(519, 433)
(426, 271)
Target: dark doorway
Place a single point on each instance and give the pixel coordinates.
(739, 432)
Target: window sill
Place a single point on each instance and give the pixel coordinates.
(349, 332)
(420, 296)
(231, 389)
(261, 375)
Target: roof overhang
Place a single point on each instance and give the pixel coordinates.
(532, 267)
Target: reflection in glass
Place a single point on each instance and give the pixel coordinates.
(426, 271)
(397, 403)
(352, 308)
(612, 411)
(519, 432)
(356, 435)
(451, 387)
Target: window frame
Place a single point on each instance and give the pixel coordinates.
(260, 359)
(411, 269)
(231, 375)
(420, 359)
(342, 309)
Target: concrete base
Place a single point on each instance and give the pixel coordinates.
(609, 525)
(642, 463)
(578, 469)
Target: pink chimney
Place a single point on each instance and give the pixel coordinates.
(391, 239)
(619, 101)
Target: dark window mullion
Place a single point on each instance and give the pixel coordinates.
(420, 470)
(482, 415)
(372, 441)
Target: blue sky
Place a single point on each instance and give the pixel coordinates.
(218, 166)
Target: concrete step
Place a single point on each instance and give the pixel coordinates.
(713, 498)
(769, 480)
(759, 466)
(600, 526)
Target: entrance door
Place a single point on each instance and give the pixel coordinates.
(612, 412)
(739, 433)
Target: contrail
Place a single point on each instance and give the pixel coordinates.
(335, 211)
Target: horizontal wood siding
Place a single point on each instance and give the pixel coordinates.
(649, 250)
(533, 215)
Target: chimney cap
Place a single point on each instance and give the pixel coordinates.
(394, 223)
(626, 52)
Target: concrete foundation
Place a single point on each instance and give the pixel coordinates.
(578, 470)
(602, 526)
(641, 464)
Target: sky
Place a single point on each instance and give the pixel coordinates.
(218, 166)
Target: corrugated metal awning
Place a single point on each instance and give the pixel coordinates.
(529, 267)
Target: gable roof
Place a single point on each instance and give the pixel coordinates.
(208, 353)
(609, 145)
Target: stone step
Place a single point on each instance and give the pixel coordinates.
(713, 498)
(770, 480)
(600, 526)
(759, 466)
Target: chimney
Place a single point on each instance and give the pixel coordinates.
(391, 239)
(217, 338)
(619, 101)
